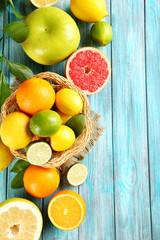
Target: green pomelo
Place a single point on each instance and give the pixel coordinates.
(45, 123)
(20, 219)
(53, 35)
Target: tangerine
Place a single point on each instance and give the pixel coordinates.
(35, 95)
(41, 182)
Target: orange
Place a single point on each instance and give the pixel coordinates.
(41, 182)
(66, 210)
(35, 95)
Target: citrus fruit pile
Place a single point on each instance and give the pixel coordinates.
(36, 97)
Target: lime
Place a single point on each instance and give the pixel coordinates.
(45, 123)
(101, 33)
(76, 123)
(63, 139)
(38, 152)
(77, 174)
(69, 102)
(6, 156)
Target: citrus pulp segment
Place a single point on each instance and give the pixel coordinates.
(89, 69)
(77, 174)
(43, 3)
(38, 152)
(20, 219)
(66, 210)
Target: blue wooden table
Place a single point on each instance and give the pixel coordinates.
(122, 191)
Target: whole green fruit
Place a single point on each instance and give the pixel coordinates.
(45, 123)
(53, 35)
(101, 33)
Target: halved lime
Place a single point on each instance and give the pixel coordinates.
(77, 174)
(38, 152)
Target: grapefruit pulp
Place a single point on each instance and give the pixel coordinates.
(89, 69)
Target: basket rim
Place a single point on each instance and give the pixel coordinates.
(58, 158)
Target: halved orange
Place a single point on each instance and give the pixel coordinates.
(66, 210)
(43, 3)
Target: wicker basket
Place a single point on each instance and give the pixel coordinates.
(58, 158)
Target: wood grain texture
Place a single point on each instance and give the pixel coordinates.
(97, 191)
(132, 206)
(122, 191)
(153, 96)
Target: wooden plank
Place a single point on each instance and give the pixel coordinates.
(16, 54)
(132, 206)
(153, 96)
(3, 174)
(97, 191)
(50, 232)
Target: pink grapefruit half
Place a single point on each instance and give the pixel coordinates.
(89, 69)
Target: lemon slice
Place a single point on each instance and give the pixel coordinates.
(77, 174)
(43, 3)
(38, 153)
(20, 219)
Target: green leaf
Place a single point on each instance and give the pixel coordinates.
(2, 59)
(21, 71)
(4, 89)
(20, 165)
(17, 181)
(3, 3)
(18, 31)
(18, 15)
(77, 123)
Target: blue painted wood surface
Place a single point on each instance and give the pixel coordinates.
(122, 191)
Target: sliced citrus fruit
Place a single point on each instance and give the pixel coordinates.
(43, 3)
(20, 219)
(38, 152)
(66, 210)
(77, 174)
(89, 69)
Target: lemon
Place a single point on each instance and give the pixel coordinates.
(20, 219)
(6, 156)
(63, 116)
(15, 132)
(63, 139)
(68, 102)
(89, 10)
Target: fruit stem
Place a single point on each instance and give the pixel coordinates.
(3, 39)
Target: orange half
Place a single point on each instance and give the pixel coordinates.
(66, 210)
